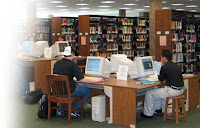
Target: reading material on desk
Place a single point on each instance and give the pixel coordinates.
(145, 82)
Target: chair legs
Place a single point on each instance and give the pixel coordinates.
(49, 110)
(82, 107)
(69, 113)
(175, 108)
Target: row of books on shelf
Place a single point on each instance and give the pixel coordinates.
(190, 38)
(70, 38)
(140, 45)
(176, 25)
(42, 29)
(94, 38)
(127, 30)
(126, 38)
(177, 37)
(127, 46)
(67, 21)
(188, 68)
(141, 38)
(68, 30)
(141, 30)
(95, 30)
(42, 37)
(181, 57)
(141, 22)
(126, 21)
(111, 30)
(190, 28)
(179, 47)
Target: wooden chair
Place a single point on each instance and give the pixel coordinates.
(175, 106)
(57, 94)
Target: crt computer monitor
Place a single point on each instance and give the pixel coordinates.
(119, 59)
(28, 48)
(97, 66)
(59, 47)
(141, 67)
(39, 48)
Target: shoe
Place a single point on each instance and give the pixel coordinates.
(75, 115)
(159, 112)
(145, 116)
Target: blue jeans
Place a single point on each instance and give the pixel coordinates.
(81, 90)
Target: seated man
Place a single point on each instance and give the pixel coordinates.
(174, 85)
(67, 67)
(103, 52)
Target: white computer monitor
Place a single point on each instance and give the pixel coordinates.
(119, 59)
(97, 66)
(59, 47)
(39, 48)
(28, 48)
(141, 67)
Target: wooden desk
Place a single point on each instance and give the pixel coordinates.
(43, 66)
(124, 97)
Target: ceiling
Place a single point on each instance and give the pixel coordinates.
(69, 7)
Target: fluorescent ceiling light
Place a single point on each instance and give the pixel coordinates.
(130, 4)
(140, 9)
(108, 2)
(84, 8)
(164, 2)
(104, 6)
(56, 2)
(166, 8)
(103, 9)
(41, 8)
(193, 11)
(137, 0)
(191, 6)
(177, 4)
(124, 8)
(83, 11)
(82, 4)
(146, 6)
(61, 6)
(180, 9)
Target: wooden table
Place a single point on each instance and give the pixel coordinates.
(43, 66)
(124, 97)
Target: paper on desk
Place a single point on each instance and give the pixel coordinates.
(122, 73)
(47, 52)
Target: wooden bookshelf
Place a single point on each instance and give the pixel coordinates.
(43, 30)
(117, 34)
(180, 32)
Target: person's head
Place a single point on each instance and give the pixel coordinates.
(69, 53)
(61, 37)
(103, 52)
(166, 55)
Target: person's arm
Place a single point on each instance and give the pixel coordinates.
(161, 77)
(91, 80)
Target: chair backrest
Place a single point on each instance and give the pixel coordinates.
(58, 85)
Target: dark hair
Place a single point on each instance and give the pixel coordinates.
(167, 54)
(62, 36)
(102, 50)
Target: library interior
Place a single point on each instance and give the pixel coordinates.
(90, 63)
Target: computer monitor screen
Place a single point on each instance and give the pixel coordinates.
(59, 47)
(97, 66)
(62, 46)
(141, 67)
(27, 48)
(93, 65)
(147, 64)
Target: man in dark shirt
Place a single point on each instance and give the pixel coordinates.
(174, 85)
(67, 67)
